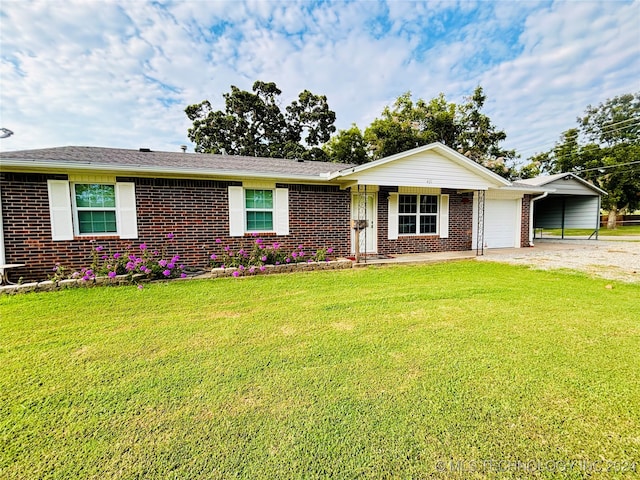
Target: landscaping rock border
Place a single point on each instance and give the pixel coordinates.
(50, 285)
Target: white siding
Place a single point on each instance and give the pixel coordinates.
(426, 169)
(570, 187)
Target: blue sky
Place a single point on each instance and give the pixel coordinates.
(120, 73)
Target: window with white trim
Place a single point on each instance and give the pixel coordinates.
(92, 209)
(417, 214)
(259, 210)
(95, 208)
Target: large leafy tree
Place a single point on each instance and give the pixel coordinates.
(602, 150)
(253, 124)
(479, 139)
(408, 124)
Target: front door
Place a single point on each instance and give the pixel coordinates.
(364, 207)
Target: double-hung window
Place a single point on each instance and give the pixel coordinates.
(417, 214)
(259, 210)
(95, 206)
(87, 209)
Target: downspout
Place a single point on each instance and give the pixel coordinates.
(531, 231)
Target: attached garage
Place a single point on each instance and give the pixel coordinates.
(502, 223)
(497, 221)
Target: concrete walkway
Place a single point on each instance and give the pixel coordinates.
(615, 260)
(415, 258)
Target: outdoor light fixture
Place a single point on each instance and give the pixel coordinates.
(5, 132)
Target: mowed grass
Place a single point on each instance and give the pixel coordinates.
(623, 230)
(363, 373)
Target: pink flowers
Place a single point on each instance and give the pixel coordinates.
(139, 261)
(254, 258)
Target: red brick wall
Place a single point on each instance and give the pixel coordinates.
(460, 227)
(195, 211)
(524, 228)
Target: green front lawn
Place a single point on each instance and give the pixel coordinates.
(363, 373)
(603, 232)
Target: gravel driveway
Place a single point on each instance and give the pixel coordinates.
(615, 260)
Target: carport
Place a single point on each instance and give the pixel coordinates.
(570, 202)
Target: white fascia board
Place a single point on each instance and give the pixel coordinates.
(64, 167)
(543, 180)
(525, 189)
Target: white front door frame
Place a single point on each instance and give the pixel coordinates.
(364, 206)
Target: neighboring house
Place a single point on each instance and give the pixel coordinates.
(571, 202)
(56, 201)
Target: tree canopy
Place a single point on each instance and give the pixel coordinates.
(348, 146)
(407, 124)
(602, 150)
(253, 124)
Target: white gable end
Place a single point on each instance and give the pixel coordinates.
(571, 186)
(424, 169)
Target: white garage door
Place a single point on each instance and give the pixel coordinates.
(500, 223)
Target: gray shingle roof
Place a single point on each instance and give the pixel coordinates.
(162, 161)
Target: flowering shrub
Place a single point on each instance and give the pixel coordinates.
(133, 260)
(253, 259)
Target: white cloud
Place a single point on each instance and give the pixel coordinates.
(574, 54)
(121, 73)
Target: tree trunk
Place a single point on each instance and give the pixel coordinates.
(611, 220)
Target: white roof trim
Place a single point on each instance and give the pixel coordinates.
(123, 170)
(542, 180)
(441, 148)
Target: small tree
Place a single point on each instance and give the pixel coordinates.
(348, 146)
